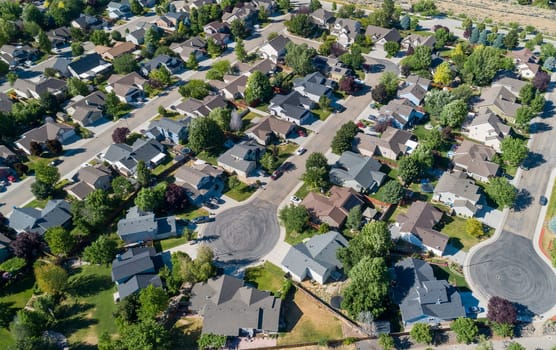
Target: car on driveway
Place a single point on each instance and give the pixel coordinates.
(201, 220)
(543, 200)
(276, 174)
(301, 133)
(300, 151)
(295, 200)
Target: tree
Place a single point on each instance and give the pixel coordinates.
(391, 192)
(28, 324)
(238, 29)
(501, 191)
(483, 40)
(408, 169)
(541, 80)
(379, 94)
(316, 177)
(153, 300)
(47, 174)
(550, 64)
(27, 245)
(299, 58)
(511, 39)
(213, 48)
(443, 74)
(121, 187)
(353, 59)
(51, 279)
(344, 137)
(222, 116)
(481, 66)
(502, 329)
(146, 335)
(119, 135)
(240, 51)
(373, 241)
(501, 310)
(49, 102)
(192, 62)
(499, 41)
(405, 22)
(100, 37)
(347, 84)
(368, 287)
(390, 81)
(269, 162)
(151, 198)
(301, 25)
(101, 251)
(294, 218)
(205, 135)
(527, 93)
(160, 77)
(466, 330)
(325, 103)
(353, 221)
(392, 48)
(54, 147)
(60, 240)
(136, 8)
(195, 88)
(314, 5)
(44, 43)
(175, 197)
(453, 114)
(12, 77)
(13, 265)
(211, 341)
(436, 100)
(143, 174)
(421, 333)
(537, 105)
(421, 58)
(523, 116)
(76, 48)
(515, 346)
(386, 341)
(77, 87)
(125, 63)
(514, 150)
(316, 160)
(258, 88)
(474, 227)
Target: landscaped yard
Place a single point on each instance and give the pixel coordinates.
(162, 167)
(265, 277)
(192, 212)
(322, 114)
(459, 238)
(303, 191)
(294, 238)
(240, 192)
(15, 297)
(285, 151)
(189, 330)
(445, 273)
(168, 243)
(208, 158)
(307, 321)
(36, 203)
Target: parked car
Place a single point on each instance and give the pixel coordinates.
(360, 125)
(295, 200)
(210, 205)
(276, 174)
(55, 162)
(11, 178)
(300, 151)
(201, 220)
(301, 133)
(543, 200)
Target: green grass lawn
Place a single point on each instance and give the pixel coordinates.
(294, 238)
(265, 277)
(193, 212)
(285, 150)
(455, 229)
(445, 273)
(209, 158)
(36, 203)
(241, 192)
(162, 167)
(321, 113)
(166, 244)
(14, 297)
(303, 191)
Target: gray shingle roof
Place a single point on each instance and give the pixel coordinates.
(132, 262)
(363, 170)
(293, 104)
(55, 213)
(87, 63)
(138, 282)
(141, 226)
(458, 184)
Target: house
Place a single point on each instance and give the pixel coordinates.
(197, 4)
(172, 64)
(48, 131)
(331, 67)
(221, 39)
(137, 36)
(119, 49)
(235, 89)
(358, 172)
(314, 86)
(414, 40)
(498, 99)
(269, 129)
(346, 30)
(125, 158)
(88, 66)
(476, 160)
(417, 227)
(200, 181)
(322, 18)
(140, 226)
(195, 46)
(391, 144)
(381, 36)
(332, 210)
(487, 128)
(89, 179)
(528, 70)
(264, 66)
(512, 84)
(292, 107)
(171, 130)
(7, 157)
(458, 192)
(88, 23)
(128, 88)
(55, 213)
(216, 27)
(59, 37)
(421, 297)
(171, 20)
(241, 159)
(523, 56)
(4, 247)
(17, 55)
(6, 103)
(413, 79)
(36, 88)
(275, 49)
(196, 108)
(61, 66)
(315, 259)
(87, 110)
(117, 10)
(401, 112)
(247, 14)
(229, 307)
(266, 5)
(414, 93)
(136, 269)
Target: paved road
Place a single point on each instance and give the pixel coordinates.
(510, 267)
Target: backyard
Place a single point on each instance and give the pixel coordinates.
(188, 331)
(13, 298)
(454, 227)
(265, 277)
(443, 272)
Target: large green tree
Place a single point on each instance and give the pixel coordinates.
(294, 217)
(453, 114)
(153, 301)
(391, 192)
(44, 43)
(301, 25)
(258, 89)
(125, 63)
(514, 150)
(466, 330)
(195, 88)
(501, 191)
(408, 169)
(205, 135)
(436, 100)
(299, 58)
(421, 333)
(481, 66)
(101, 251)
(148, 334)
(60, 240)
(343, 139)
(51, 279)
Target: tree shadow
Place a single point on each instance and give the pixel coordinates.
(67, 310)
(538, 127)
(83, 346)
(533, 160)
(87, 285)
(455, 244)
(7, 313)
(548, 110)
(440, 338)
(523, 200)
(402, 342)
(71, 325)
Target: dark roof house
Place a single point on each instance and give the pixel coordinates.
(357, 172)
(55, 213)
(140, 226)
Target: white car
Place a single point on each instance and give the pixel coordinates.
(300, 151)
(295, 200)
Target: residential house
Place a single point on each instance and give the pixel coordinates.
(413, 79)
(171, 130)
(414, 40)
(195, 46)
(414, 93)
(128, 88)
(528, 70)
(314, 86)
(458, 192)
(512, 84)
(119, 49)
(171, 20)
(172, 64)
(147, 3)
(6, 103)
(55, 213)
(267, 5)
(7, 157)
(87, 110)
(221, 39)
(421, 297)
(235, 89)
(315, 259)
(117, 10)
(381, 36)
(270, 129)
(417, 227)
(88, 23)
(264, 66)
(136, 36)
(292, 107)
(200, 181)
(241, 159)
(216, 27)
(498, 99)
(89, 179)
(526, 61)
(124, 158)
(346, 30)
(48, 131)
(197, 4)
(331, 67)
(196, 108)
(17, 55)
(140, 226)
(136, 269)
(401, 112)
(391, 144)
(248, 14)
(88, 66)
(36, 88)
(476, 160)
(228, 307)
(322, 18)
(61, 66)
(357, 172)
(275, 49)
(4, 247)
(59, 37)
(487, 128)
(332, 210)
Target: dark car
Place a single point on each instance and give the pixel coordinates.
(210, 205)
(201, 220)
(543, 200)
(301, 133)
(276, 174)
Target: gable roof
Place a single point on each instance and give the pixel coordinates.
(171, 125)
(293, 104)
(119, 49)
(378, 33)
(363, 170)
(420, 220)
(399, 109)
(323, 15)
(236, 157)
(145, 150)
(138, 282)
(279, 43)
(414, 89)
(5, 103)
(123, 83)
(87, 63)
(134, 261)
(55, 213)
(488, 118)
(41, 86)
(420, 40)
(203, 107)
(269, 125)
(500, 97)
(313, 83)
(458, 184)
(48, 131)
(336, 206)
(512, 84)
(91, 174)
(476, 159)
(143, 226)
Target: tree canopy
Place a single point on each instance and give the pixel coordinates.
(299, 58)
(343, 139)
(205, 135)
(501, 191)
(373, 241)
(294, 217)
(258, 89)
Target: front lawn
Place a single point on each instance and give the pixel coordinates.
(240, 192)
(265, 277)
(445, 273)
(322, 114)
(454, 227)
(188, 331)
(285, 150)
(294, 238)
(192, 212)
(209, 158)
(168, 243)
(37, 203)
(303, 191)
